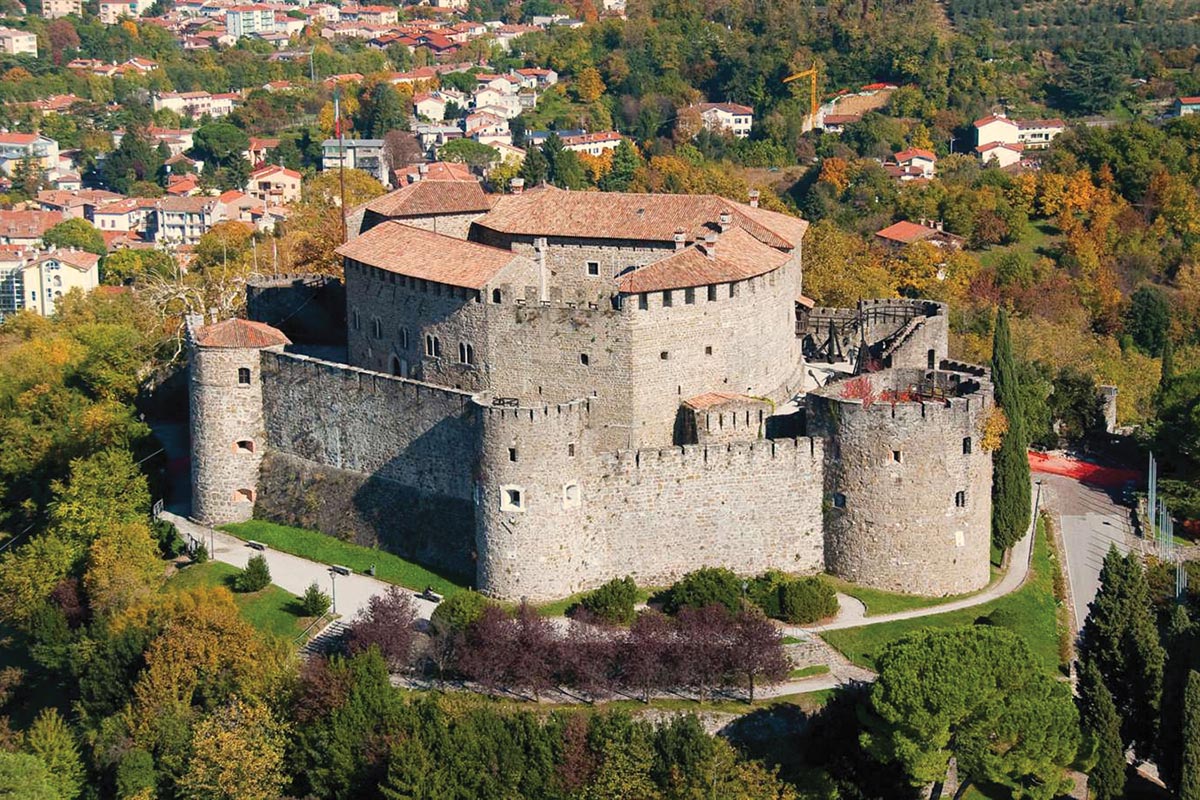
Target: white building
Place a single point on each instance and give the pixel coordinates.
(364, 154)
(274, 185)
(726, 118)
(132, 215)
(1005, 155)
(249, 20)
(183, 220)
(1030, 133)
(38, 280)
(18, 43)
(593, 144)
(197, 104)
(15, 147)
(53, 9)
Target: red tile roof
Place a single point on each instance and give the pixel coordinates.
(915, 152)
(1190, 101)
(735, 256)
(548, 211)
(905, 232)
(240, 333)
(703, 402)
(27, 224)
(979, 123)
(432, 196)
(405, 250)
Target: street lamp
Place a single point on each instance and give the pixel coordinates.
(333, 584)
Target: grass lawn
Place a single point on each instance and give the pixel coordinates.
(878, 601)
(809, 672)
(806, 701)
(317, 546)
(273, 611)
(1031, 609)
(1040, 239)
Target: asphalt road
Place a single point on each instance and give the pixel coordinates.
(1091, 520)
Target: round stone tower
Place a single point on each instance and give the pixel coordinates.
(532, 500)
(228, 433)
(907, 485)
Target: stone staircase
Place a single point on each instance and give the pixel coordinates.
(326, 639)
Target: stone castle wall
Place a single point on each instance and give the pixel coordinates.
(895, 518)
(228, 433)
(307, 308)
(585, 517)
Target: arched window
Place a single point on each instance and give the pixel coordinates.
(244, 446)
(377, 328)
(404, 338)
(495, 295)
(466, 353)
(960, 499)
(437, 347)
(428, 345)
(394, 365)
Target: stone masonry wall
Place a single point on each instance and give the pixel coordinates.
(227, 432)
(309, 309)
(894, 517)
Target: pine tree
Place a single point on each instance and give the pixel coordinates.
(51, 740)
(1102, 727)
(624, 165)
(534, 168)
(1010, 476)
(1181, 653)
(1189, 782)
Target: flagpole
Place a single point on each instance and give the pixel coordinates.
(337, 123)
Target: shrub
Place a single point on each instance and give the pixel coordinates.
(314, 602)
(612, 602)
(254, 577)
(170, 543)
(764, 591)
(705, 587)
(200, 554)
(806, 600)
(455, 614)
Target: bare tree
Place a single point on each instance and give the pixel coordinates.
(401, 148)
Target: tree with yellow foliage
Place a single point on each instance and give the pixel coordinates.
(237, 754)
(314, 230)
(123, 567)
(840, 268)
(588, 85)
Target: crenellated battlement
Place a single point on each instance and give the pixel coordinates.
(296, 366)
(710, 456)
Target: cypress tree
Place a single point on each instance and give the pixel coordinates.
(1181, 652)
(1102, 727)
(1168, 364)
(1010, 475)
(1189, 783)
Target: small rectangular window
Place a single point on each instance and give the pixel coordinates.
(244, 376)
(839, 500)
(664, 355)
(570, 449)
(689, 296)
(960, 499)
(712, 293)
(967, 446)
(667, 300)
(708, 350)
(583, 359)
(593, 268)
(643, 302)
(512, 454)
(896, 456)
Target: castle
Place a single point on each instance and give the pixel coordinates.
(547, 389)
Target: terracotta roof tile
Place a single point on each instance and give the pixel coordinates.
(703, 402)
(432, 197)
(547, 211)
(736, 256)
(240, 333)
(405, 250)
(905, 232)
(27, 224)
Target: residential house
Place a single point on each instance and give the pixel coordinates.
(249, 20)
(75, 204)
(182, 185)
(16, 147)
(364, 154)
(53, 9)
(18, 43)
(593, 144)
(113, 11)
(903, 233)
(433, 136)
(274, 185)
(183, 220)
(1184, 106)
(914, 163)
(731, 118)
(26, 228)
(1005, 155)
(196, 104)
(1032, 133)
(538, 78)
(430, 105)
(836, 123)
(131, 215)
(238, 206)
(506, 104)
(37, 281)
(259, 149)
(373, 15)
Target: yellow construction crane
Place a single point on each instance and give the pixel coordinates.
(811, 74)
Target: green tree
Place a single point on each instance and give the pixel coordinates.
(53, 743)
(126, 267)
(1168, 364)
(255, 577)
(1010, 478)
(705, 587)
(315, 602)
(625, 163)
(1094, 78)
(1189, 780)
(76, 233)
(25, 777)
(1075, 404)
(136, 775)
(978, 694)
(134, 159)
(219, 143)
(1102, 731)
(237, 754)
(534, 167)
(1147, 320)
(468, 151)
(1120, 636)
(383, 111)
(1182, 653)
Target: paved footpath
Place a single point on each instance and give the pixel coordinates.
(293, 573)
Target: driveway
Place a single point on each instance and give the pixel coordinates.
(1091, 520)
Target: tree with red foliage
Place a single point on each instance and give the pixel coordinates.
(483, 656)
(62, 36)
(534, 652)
(319, 691)
(387, 622)
(645, 656)
(859, 388)
(758, 649)
(706, 647)
(587, 658)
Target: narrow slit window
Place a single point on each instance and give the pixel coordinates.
(967, 446)
(960, 499)
(584, 359)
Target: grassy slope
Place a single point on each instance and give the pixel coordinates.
(1040, 239)
(317, 546)
(1032, 606)
(881, 602)
(273, 611)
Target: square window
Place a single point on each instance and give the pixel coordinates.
(511, 498)
(664, 355)
(839, 500)
(583, 359)
(593, 268)
(708, 350)
(896, 456)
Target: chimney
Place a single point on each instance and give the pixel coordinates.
(924, 222)
(422, 170)
(938, 225)
(710, 245)
(680, 238)
(725, 220)
(517, 185)
(754, 198)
